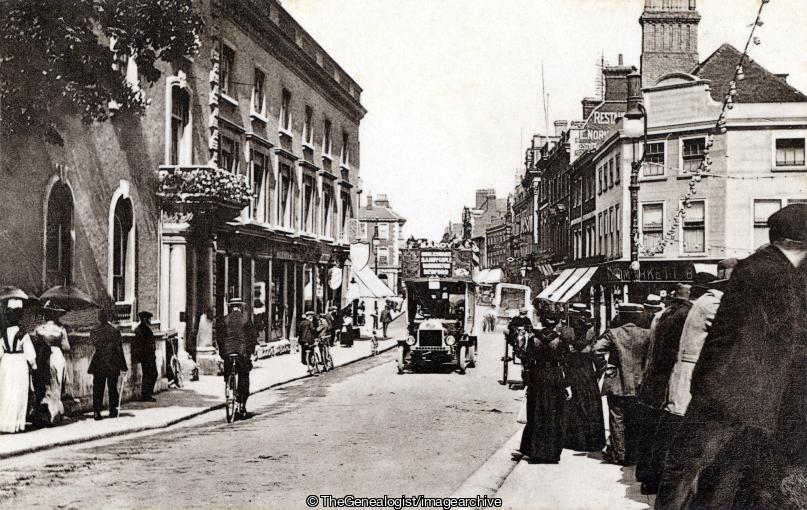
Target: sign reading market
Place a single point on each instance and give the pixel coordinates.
(436, 263)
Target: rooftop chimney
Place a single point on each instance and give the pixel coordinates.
(561, 126)
(382, 201)
(589, 103)
(369, 200)
(634, 85)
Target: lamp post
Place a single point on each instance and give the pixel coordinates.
(375, 242)
(635, 127)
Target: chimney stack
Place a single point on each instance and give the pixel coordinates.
(369, 201)
(589, 103)
(634, 81)
(561, 126)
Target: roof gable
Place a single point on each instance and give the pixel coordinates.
(758, 86)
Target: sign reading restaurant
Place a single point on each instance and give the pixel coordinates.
(598, 125)
(435, 263)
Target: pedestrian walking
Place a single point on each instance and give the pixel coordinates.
(374, 344)
(54, 335)
(386, 318)
(544, 363)
(238, 337)
(144, 352)
(585, 429)
(17, 356)
(626, 348)
(729, 435)
(305, 333)
(662, 352)
(106, 365)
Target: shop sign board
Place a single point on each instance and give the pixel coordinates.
(435, 263)
(653, 271)
(598, 126)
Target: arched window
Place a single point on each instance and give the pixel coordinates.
(59, 236)
(122, 250)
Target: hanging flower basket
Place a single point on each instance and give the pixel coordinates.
(202, 190)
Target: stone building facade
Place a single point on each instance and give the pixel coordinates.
(382, 228)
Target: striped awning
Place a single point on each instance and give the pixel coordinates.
(568, 284)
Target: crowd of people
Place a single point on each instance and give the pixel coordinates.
(705, 392)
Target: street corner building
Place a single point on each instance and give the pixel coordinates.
(240, 179)
(724, 149)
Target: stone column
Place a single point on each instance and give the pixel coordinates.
(206, 357)
(177, 291)
(165, 273)
(192, 309)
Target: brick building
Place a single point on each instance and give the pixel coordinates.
(382, 227)
(151, 212)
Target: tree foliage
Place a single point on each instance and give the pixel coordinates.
(56, 57)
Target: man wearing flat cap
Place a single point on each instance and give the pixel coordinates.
(746, 384)
(144, 351)
(626, 348)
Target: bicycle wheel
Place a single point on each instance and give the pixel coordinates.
(230, 400)
(311, 362)
(177, 369)
(329, 359)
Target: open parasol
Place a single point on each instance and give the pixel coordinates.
(68, 297)
(9, 292)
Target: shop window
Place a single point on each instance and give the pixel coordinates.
(122, 250)
(692, 154)
(226, 71)
(654, 157)
(763, 209)
(285, 111)
(180, 142)
(59, 236)
(229, 154)
(694, 228)
(790, 152)
(652, 225)
(308, 127)
(259, 93)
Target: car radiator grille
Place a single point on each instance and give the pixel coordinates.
(430, 338)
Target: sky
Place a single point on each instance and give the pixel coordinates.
(453, 87)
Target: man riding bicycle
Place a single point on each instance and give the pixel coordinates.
(237, 337)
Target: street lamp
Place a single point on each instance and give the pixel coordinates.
(635, 126)
(375, 242)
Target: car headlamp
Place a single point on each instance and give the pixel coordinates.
(450, 340)
(410, 340)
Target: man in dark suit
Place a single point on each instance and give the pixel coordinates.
(739, 386)
(305, 334)
(106, 365)
(626, 347)
(238, 337)
(144, 352)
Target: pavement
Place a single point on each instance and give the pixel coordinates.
(177, 405)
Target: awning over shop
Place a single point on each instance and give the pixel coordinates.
(545, 269)
(568, 284)
(489, 276)
(368, 285)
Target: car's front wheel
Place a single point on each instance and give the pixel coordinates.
(472, 356)
(462, 360)
(401, 359)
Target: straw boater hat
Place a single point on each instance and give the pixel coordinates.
(236, 301)
(49, 307)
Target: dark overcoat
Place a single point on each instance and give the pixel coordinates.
(663, 353)
(108, 359)
(758, 330)
(237, 336)
(143, 347)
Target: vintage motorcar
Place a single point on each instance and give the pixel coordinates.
(441, 318)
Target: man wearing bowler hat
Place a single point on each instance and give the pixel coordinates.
(238, 337)
(745, 386)
(144, 351)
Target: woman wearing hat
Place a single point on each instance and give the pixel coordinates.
(54, 335)
(16, 356)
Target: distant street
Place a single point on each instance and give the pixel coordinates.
(362, 430)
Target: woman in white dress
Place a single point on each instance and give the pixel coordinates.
(17, 355)
(55, 336)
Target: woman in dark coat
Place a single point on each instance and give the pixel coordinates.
(547, 392)
(585, 428)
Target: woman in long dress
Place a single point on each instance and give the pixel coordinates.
(585, 430)
(52, 333)
(17, 355)
(547, 393)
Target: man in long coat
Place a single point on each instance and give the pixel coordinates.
(238, 337)
(106, 365)
(727, 439)
(626, 347)
(144, 351)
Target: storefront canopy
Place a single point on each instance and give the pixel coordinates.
(490, 276)
(367, 285)
(568, 284)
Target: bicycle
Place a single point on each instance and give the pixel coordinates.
(174, 366)
(326, 358)
(231, 388)
(312, 358)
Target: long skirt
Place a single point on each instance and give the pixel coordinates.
(53, 391)
(585, 429)
(14, 386)
(542, 440)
